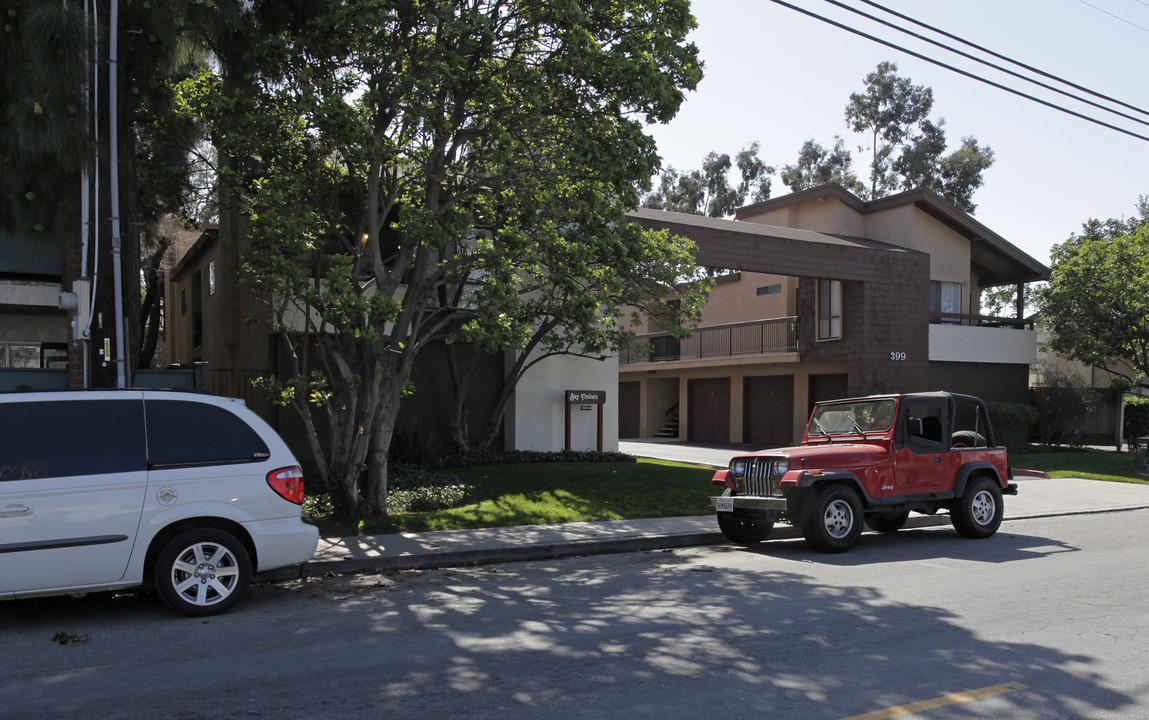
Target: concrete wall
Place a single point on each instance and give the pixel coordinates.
(962, 343)
(537, 416)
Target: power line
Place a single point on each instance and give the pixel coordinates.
(959, 71)
(1115, 17)
(999, 56)
(968, 56)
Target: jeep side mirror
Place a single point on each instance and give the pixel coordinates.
(914, 427)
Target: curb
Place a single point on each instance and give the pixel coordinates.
(519, 553)
(575, 548)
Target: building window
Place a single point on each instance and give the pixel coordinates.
(211, 278)
(21, 355)
(54, 355)
(24, 356)
(945, 297)
(197, 286)
(183, 301)
(770, 290)
(829, 309)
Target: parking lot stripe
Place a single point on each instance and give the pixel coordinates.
(939, 702)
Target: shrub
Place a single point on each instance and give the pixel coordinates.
(480, 458)
(1136, 417)
(1011, 421)
(411, 444)
(1062, 403)
(414, 489)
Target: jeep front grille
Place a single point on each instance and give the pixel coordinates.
(758, 477)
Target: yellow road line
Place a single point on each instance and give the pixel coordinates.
(939, 702)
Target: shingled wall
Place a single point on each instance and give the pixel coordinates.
(885, 293)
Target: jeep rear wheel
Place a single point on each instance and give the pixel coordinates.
(978, 512)
(834, 520)
(744, 532)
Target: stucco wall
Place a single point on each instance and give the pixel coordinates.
(536, 419)
(825, 215)
(737, 299)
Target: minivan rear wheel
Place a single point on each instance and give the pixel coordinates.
(203, 571)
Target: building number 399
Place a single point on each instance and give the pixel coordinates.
(897, 356)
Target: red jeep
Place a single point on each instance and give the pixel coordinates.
(876, 458)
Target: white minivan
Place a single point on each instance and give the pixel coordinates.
(110, 489)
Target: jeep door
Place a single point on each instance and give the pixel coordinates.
(72, 482)
(920, 450)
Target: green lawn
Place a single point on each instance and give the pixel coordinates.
(1095, 464)
(539, 493)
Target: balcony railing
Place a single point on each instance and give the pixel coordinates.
(776, 335)
(939, 318)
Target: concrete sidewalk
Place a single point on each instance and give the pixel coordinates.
(1036, 498)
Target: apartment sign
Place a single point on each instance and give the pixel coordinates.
(586, 397)
(585, 400)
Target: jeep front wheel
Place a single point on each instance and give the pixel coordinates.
(978, 512)
(744, 532)
(834, 520)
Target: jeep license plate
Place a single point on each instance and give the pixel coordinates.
(724, 504)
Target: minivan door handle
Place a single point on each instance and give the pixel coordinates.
(14, 511)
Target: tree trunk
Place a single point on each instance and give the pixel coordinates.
(461, 383)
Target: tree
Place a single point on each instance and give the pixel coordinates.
(420, 172)
(44, 138)
(567, 304)
(890, 109)
(907, 149)
(708, 191)
(817, 166)
(1096, 304)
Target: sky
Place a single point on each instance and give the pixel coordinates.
(778, 77)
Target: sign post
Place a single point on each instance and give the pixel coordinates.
(584, 399)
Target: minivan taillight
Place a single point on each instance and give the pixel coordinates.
(287, 483)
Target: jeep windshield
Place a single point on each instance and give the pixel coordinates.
(860, 417)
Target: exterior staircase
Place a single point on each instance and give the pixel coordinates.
(670, 428)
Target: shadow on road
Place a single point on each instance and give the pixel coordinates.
(681, 634)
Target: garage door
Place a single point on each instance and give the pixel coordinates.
(710, 410)
(768, 410)
(628, 407)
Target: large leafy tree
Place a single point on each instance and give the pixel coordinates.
(1096, 304)
(708, 191)
(456, 170)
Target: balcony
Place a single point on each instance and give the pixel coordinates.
(977, 338)
(940, 318)
(760, 337)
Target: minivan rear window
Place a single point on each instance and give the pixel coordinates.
(192, 433)
(70, 437)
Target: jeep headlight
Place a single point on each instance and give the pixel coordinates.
(780, 468)
(738, 469)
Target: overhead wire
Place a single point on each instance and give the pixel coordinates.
(987, 63)
(999, 56)
(959, 71)
(1115, 17)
